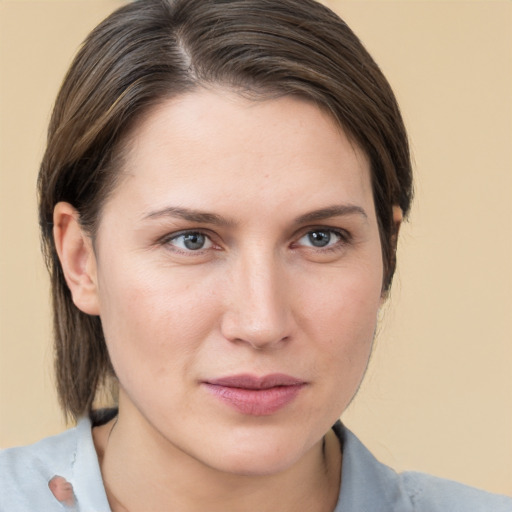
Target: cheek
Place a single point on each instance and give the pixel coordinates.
(346, 299)
(345, 335)
(153, 323)
(342, 314)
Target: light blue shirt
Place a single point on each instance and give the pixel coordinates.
(368, 485)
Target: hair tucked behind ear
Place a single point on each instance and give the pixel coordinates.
(151, 50)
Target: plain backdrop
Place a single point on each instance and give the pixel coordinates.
(438, 393)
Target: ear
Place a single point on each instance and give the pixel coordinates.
(398, 217)
(77, 258)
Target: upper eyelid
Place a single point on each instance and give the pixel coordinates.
(171, 236)
(344, 239)
(344, 233)
(165, 241)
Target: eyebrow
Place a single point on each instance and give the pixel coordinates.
(190, 215)
(331, 211)
(202, 217)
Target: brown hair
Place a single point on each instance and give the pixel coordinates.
(151, 50)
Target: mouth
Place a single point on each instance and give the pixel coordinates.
(256, 396)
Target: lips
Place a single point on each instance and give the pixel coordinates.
(257, 396)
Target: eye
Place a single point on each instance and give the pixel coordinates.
(320, 238)
(191, 241)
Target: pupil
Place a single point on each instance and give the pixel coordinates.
(194, 241)
(319, 238)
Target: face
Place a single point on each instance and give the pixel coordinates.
(238, 277)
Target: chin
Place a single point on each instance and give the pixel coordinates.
(258, 457)
(263, 464)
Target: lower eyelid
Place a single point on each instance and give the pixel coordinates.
(208, 241)
(341, 237)
(167, 240)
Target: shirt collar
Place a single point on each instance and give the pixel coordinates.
(366, 484)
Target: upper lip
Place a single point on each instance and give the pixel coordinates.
(247, 381)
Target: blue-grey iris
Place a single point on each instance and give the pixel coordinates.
(319, 238)
(194, 241)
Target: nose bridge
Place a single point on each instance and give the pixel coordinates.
(259, 313)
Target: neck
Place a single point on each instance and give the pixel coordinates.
(142, 471)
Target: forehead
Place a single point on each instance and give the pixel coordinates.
(207, 146)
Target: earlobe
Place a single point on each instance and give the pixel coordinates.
(398, 217)
(77, 258)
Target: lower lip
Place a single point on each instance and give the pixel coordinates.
(256, 402)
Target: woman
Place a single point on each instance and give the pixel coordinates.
(220, 201)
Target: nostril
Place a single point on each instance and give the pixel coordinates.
(258, 312)
(262, 343)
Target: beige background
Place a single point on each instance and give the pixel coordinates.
(438, 394)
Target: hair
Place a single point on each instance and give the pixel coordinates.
(149, 51)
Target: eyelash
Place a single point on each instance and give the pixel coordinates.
(343, 237)
(168, 239)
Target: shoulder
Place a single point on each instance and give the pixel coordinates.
(25, 472)
(429, 493)
(56, 449)
(369, 485)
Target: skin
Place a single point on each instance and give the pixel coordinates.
(62, 490)
(258, 297)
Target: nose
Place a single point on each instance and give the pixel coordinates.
(258, 311)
